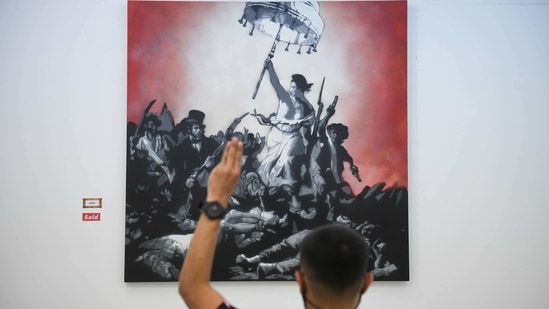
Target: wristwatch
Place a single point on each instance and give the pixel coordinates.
(213, 210)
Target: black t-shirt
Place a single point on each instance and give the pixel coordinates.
(226, 305)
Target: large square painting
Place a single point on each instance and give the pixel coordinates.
(316, 91)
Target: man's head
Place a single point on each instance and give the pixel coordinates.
(194, 124)
(334, 261)
(151, 123)
(337, 132)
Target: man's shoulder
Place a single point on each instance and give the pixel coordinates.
(210, 142)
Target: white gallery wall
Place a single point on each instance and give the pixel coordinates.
(478, 113)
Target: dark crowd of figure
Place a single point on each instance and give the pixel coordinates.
(291, 182)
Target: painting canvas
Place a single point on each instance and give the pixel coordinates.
(316, 91)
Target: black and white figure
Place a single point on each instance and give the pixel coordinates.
(192, 159)
(289, 126)
(261, 232)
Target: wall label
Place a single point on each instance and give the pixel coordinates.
(91, 216)
(93, 202)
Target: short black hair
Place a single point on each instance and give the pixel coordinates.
(341, 130)
(301, 82)
(335, 256)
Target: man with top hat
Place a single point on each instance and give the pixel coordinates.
(192, 160)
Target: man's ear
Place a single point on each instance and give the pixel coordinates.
(368, 279)
(300, 281)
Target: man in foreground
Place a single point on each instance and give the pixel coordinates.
(334, 258)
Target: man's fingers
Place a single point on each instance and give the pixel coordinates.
(228, 153)
(237, 155)
(224, 156)
(234, 153)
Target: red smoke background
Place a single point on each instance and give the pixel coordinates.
(373, 54)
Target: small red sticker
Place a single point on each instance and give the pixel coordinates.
(91, 216)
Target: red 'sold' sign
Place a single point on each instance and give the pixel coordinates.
(91, 216)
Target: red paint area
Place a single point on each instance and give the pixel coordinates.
(157, 38)
(159, 34)
(377, 56)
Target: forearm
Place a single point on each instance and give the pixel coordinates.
(194, 280)
(275, 82)
(199, 258)
(273, 77)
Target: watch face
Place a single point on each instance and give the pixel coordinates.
(213, 210)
